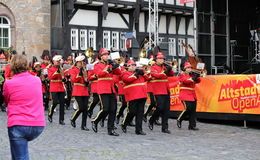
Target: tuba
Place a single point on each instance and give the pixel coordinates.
(89, 54)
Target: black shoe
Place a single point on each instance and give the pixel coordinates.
(131, 124)
(193, 128)
(73, 123)
(150, 125)
(166, 131)
(157, 123)
(113, 133)
(179, 123)
(140, 133)
(50, 119)
(123, 127)
(117, 120)
(62, 122)
(90, 114)
(102, 124)
(145, 119)
(84, 128)
(94, 126)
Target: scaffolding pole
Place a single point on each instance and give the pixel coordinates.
(153, 25)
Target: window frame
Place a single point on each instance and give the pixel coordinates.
(116, 38)
(85, 37)
(8, 27)
(172, 46)
(106, 37)
(181, 49)
(123, 41)
(76, 36)
(90, 36)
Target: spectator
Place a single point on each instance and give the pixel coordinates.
(25, 112)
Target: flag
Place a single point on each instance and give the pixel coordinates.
(186, 1)
(128, 35)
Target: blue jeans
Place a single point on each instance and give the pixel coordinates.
(19, 137)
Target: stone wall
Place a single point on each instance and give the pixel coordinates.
(30, 24)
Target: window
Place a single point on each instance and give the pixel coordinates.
(122, 41)
(172, 46)
(5, 37)
(160, 40)
(92, 39)
(106, 39)
(115, 40)
(83, 39)
(181, 49)
(74, 39)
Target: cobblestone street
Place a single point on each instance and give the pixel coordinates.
(212, 141)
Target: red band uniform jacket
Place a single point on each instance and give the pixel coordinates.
(79, 86)
(134, 88)
(118, 81)
(8, 73)
(159, 81)
(92, 77)
(105, 84)
(56, 84)
(187, 87)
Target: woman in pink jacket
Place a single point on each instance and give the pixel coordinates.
(25, 111)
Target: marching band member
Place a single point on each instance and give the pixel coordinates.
(37, 71)
(45, 64)
(80, 92)
(106, 90)
(151, 97)
(56, 76)
(45, 59)
(160, 72)
(92, 77)
(188, 96)
(67, 69)
(135, 95)
(8, 73)
(120, 91)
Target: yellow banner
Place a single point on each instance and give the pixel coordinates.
(224, 94)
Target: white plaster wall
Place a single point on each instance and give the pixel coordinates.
(162, 24)
(85, 18)
(114, 20)
(141, 23)
(191, 28)
(182, 27)
(170, 1)
(172, 27)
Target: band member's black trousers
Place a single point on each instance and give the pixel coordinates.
(190, 111)
(83, 108)
(94, 102)
(123, 106)
(162, 109)
(46, 101)
(135, 108)
(152, 104)
(108, 104)
(58, 98)
(68, 99)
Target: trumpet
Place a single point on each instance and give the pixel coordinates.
(202, 73)
(171, 63)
